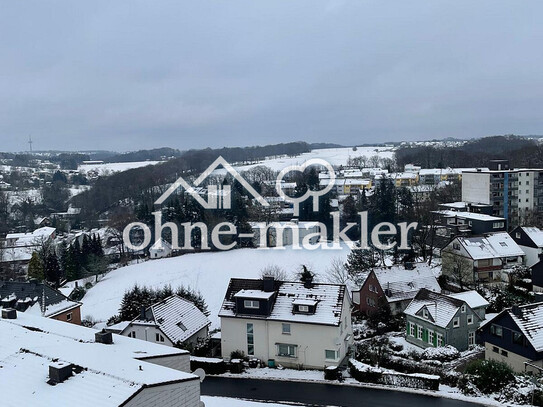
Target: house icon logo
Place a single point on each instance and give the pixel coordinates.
(218, 196)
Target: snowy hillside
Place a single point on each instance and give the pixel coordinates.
(335, 156)
(207, 272)
(109, 168)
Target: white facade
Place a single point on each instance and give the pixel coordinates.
(313, 346)
(476, 187)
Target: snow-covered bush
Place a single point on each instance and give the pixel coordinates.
(443, 353)
(489, 376)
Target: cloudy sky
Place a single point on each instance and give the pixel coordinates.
(126, 75)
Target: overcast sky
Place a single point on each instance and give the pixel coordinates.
(188, 74)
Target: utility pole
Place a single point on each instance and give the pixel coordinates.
(30, 143)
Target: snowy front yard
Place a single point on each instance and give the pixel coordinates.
(208, 273)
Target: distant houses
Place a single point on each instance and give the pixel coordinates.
(515, 337)
(172, 321)
(295, 324)
(434, 319)
(394, 287)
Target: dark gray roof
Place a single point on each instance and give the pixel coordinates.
(29, 293)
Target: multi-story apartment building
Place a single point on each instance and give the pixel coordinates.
(513, 193)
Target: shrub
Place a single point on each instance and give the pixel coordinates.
(443, 354)
(489, 376)
(210, 365)
(237, 354)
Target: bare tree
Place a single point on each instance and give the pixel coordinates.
(274, 271)
(336, 272)
(459, 268)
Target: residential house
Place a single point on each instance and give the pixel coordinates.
(537, 277)
(39, 299)
(46, 362)
(434, 319)
(296, 324)
(530, 240)
(469, 223)
(170, 322)
(515, 337)
(160, 249)
(393, 286)
(484, 259)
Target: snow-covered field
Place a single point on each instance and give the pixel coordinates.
(208, 273)
(334, 156)
(108, 168)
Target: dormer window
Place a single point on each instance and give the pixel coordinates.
(303, 308)
(252, 304)
(425, 313)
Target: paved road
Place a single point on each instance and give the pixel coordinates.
(318, 394)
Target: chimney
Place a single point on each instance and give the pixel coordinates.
(59, 372)
(516, 310)
(9, 313)
(268, 283)
(103, 337)
(142, 313)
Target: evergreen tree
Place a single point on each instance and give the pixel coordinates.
(35, 267)
(51, 268)
(361, 261)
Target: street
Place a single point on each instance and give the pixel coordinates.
(319, 394)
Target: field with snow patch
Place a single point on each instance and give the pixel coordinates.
(109, 168)
(335, 156)
(208, 273)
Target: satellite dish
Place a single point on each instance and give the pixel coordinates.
(200, 373)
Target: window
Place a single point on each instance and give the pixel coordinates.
(504, 353)
(463, 308)
(411, 329)
(425, 313)
(503, 244)
(439, 340)
(518, 338)
(471, 338)
(251, 304)
(250, 340)
(182, 326)
(330, 354)
(370, 301)
(495, 349)
(303, 308)
(518, 235)
(286, 329)
(286, 350)
(496, 330)
(431, 337)
(159, 338)
(456, 322)
(470, 319)
(132, 334)
(419, 332)
(69, 316)
(456, 246)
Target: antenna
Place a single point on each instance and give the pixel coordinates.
(30, 142)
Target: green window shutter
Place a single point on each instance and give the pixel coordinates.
(425, 335)
(435, 338)
(407, 328)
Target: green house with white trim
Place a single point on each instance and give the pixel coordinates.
(435, 320)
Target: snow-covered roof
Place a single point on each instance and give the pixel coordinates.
(26, 239)
(472, 298)
(470, 215)
(109, 375)
(441, 308)
(257, 294)
(535, 234)
(329, 299)
(496, 245)
(530, 322)
(400, 284)
(178, 318)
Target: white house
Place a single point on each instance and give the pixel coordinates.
(294, 323)
(46, 362)
(160, 249)
(169, 322)
(530, 240)
(482, 259)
